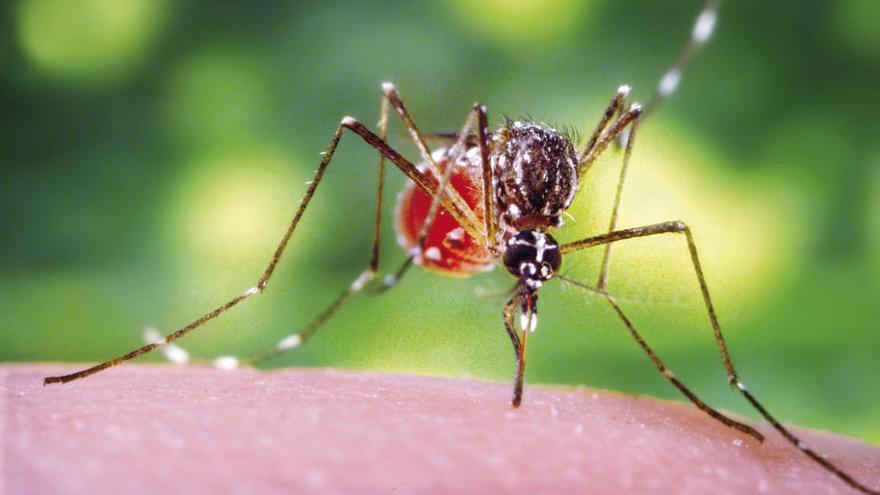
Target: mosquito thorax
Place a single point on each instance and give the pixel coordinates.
(535, 176)
(533, 257)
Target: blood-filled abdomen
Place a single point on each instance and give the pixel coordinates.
(448, 249)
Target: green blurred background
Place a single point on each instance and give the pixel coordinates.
(152, 152)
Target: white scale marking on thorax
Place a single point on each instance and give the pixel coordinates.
(540, 245)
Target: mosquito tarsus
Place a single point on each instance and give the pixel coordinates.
(494, 196)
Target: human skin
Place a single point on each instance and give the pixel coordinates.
(163, 429)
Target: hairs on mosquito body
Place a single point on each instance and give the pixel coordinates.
(571, 132)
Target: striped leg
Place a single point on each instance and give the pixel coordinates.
(347, 123)
(296, 339)
(602, 140)
(617, 103)
(661, 367)
(702, 31)
(676, 227)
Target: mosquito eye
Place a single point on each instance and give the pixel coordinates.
(518, 258)
(553, 257)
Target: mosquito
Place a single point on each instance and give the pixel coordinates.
(494, 196)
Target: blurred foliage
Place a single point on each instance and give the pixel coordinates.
(152, 152)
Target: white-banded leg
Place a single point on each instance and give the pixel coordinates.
(172, 352)
(600, 144)
(347, 123)
(701, 32)
(614, 106)
(296, 339)
(658, 363)
(676, 227)
(391, 96)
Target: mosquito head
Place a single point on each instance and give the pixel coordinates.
(533, 257)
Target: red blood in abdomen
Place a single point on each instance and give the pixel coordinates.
(458, 255)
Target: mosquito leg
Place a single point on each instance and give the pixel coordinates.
(488, 181)
(591, 154)
(614, 106)
(661, 367)
(444, 181)
(519, 348)
(393, 97)
(348, 123)
(624, 135)
(296, 339)
(461, 141)
(615, 208)
(703, 28)
(598, 142)
(392, 279)
(172, 352)
(380, 186)
(677, 227)
(702, 31)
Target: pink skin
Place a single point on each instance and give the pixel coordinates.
(162, 429)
